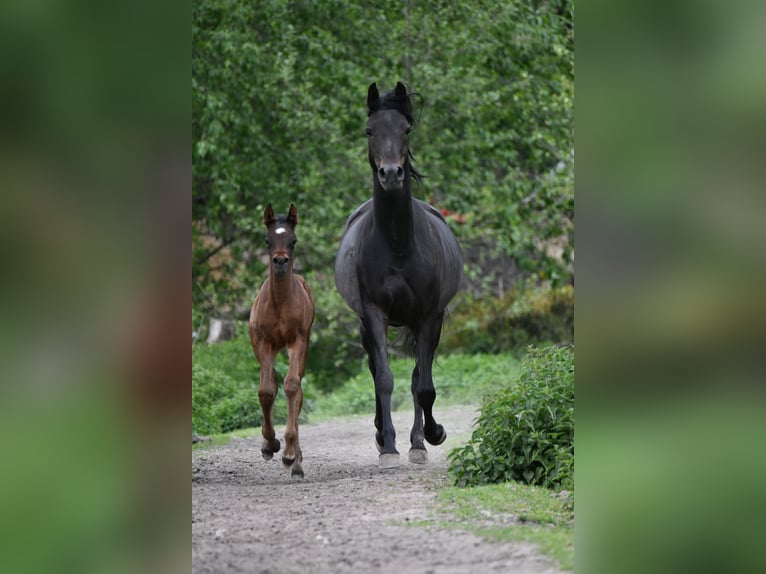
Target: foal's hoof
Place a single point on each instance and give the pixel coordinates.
(268, 449)
(296, 472)
(438, 437)
(388, 460)
(418, 455)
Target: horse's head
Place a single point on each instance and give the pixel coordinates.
(280, 238)
(388, 125)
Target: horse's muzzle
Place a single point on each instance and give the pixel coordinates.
(391, 177)
(280, 263)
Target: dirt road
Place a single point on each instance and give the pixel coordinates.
(346, 516)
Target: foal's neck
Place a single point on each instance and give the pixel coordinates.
(393, 216)
(280, 287)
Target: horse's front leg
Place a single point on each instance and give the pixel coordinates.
(267, 393)
(293, 456)
(373, 332)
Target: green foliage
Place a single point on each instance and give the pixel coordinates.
(513, 322)
(278, 99)
(335, 352)
(225, 379)
(458, 379)
(526, 431)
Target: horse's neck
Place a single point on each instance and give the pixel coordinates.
(280, 287)
(393, 217)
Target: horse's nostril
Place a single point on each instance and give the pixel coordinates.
(399, 172)
(382, 172)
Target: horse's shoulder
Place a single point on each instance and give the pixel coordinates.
(302, 282)
(429, 209)
(359, 213)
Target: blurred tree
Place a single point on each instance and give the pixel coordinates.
(278, 97)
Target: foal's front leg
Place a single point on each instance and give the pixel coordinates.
(293, 456)
(267, 392)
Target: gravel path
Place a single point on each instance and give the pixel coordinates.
(346, 516)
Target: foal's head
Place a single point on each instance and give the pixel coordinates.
(388, 125)
(280, 238)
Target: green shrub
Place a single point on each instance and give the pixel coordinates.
(220, 404)
(526, 431)
(511, 323)
(458, 379)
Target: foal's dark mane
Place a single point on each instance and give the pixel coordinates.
(402, 104)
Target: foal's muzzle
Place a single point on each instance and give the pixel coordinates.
(280, 263)
(391, 177)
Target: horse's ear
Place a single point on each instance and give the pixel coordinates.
(292, 215)
(268, 216)
(372, 95)
(400, 89)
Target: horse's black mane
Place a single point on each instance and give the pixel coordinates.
(403, 104)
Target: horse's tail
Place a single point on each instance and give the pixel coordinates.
(408, 341)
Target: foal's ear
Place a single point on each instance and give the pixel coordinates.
(372, 95)
(268, 216)
(400, 89)
(292, 215)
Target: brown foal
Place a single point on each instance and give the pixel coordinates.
(282, 315)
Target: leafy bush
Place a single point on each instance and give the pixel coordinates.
(511, 323)
(225, 379)
(220, 404)
(458, 379)
(526, 431)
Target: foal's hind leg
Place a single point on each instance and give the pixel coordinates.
(293, 456)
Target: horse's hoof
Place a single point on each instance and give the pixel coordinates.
(388, 460)
(288, 462)
(438, 437)
(418, 455)
(296, 472)
(268, 448)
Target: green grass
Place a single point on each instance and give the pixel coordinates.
(513, 512)
(458, 379)
(221, 439)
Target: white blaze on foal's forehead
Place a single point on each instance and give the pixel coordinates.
(280, 230)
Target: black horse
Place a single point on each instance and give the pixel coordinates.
(398, 265)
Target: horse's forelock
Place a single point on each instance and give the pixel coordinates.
(391, 101)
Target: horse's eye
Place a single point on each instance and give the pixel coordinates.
(293, 242)
(407, 131)
(267, 241)
(368, 132)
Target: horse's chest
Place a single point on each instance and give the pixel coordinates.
(396, 290)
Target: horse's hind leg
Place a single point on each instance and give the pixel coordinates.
(293, 456)
(428, 340)
(418, 453)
